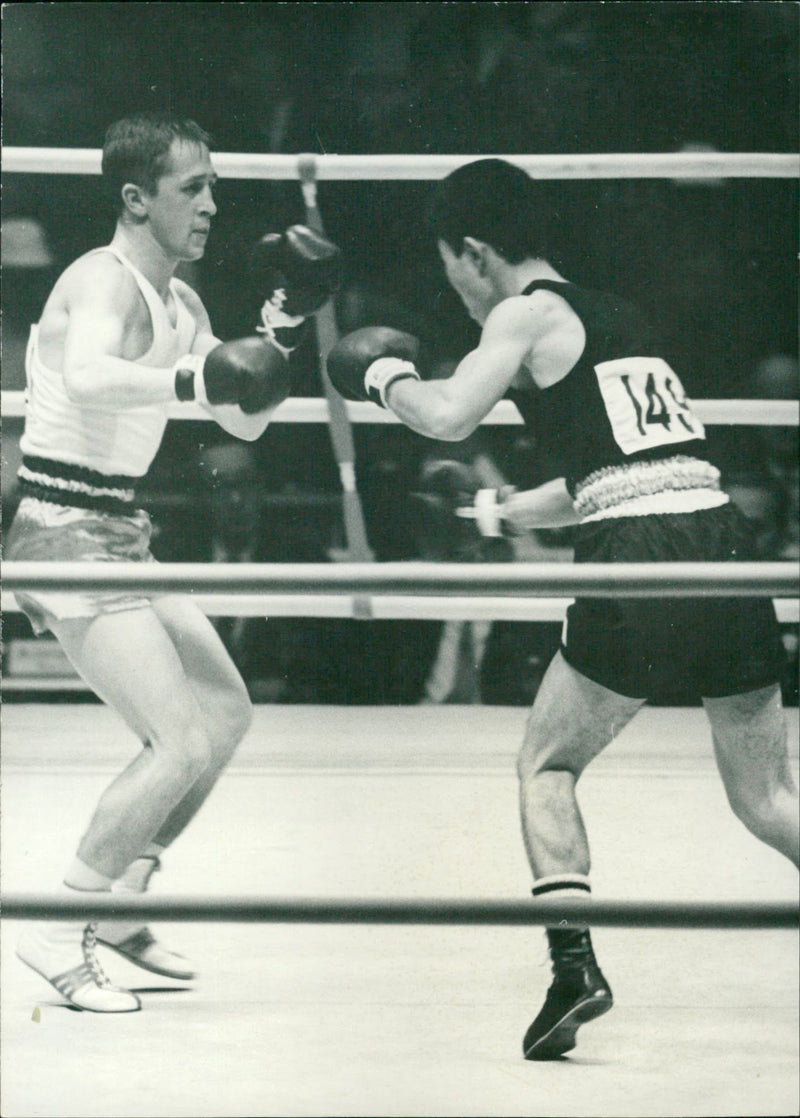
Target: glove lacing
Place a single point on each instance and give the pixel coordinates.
(274, 318)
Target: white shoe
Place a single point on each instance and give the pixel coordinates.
(64, 955)
(142, 948)
(135, 942)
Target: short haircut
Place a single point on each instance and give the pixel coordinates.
(495, 202)
(136, 149)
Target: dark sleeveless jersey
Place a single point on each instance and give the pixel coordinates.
(620, 403)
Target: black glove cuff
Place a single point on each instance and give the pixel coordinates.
(184, 385)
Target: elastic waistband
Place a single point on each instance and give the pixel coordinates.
(677, 484)
(62, 483)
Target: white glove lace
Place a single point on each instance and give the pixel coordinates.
(273, 317)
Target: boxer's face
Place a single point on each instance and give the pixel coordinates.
(468, 280)
(181, 209)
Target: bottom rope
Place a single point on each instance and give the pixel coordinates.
(315, 910)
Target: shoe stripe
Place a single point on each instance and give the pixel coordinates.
(72, 980)
(137, 943)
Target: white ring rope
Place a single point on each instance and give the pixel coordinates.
(595, 580)
(314, 409)
(631, 165)
(399, 607)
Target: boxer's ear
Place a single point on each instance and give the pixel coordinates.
(133, 198)
(475, 252)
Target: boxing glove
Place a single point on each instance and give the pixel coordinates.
(459, 491)
(363, 365)
(301, 269)
(245, 372)
(455, 518)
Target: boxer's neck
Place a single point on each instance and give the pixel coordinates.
(137, 244)
(517, 277)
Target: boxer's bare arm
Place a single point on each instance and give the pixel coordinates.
(533, 338)
(451, 409)
(547, 506)
(100, 323)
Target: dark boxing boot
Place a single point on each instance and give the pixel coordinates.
(579, 993)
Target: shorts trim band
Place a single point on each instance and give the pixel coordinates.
(64, 484)
(677, 484)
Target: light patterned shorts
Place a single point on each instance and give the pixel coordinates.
(45, 532)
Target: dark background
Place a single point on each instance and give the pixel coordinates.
(714, 263)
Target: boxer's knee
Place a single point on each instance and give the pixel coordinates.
(232, 718)
(180, 744)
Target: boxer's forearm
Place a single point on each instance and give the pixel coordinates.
(547, 506)
(433, 409)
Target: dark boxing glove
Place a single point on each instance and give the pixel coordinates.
(301, 269)
(454, 515)
(246, 372)
(363, 364)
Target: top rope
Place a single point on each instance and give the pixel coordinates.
(687, 165)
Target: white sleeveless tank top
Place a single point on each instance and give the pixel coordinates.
(119, 443)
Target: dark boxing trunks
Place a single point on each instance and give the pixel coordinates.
(678, 649)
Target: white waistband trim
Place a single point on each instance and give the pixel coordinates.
(71, 485)
(688, 500)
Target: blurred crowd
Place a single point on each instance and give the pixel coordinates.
(713, 262)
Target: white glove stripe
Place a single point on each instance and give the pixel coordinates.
(488, 513)
(385, 371)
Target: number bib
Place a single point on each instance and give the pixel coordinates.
(646, 404)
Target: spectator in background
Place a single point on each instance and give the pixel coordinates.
(763, 501)
(28, 272)
(777, 377)
(28, 267)
(262, 648)
(455, 674)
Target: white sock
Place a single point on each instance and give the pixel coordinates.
(63, 938)
(133, 882)
(562, 886)
(137, 876)
(83, 878)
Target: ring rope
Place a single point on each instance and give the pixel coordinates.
(314, 409)
(325, 910)
(596, 580)
(243, 165)
(399, 607)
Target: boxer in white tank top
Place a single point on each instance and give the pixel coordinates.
(104, 439)
(100, 375)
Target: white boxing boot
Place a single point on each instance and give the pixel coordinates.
(64, 955)
(134, 940)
